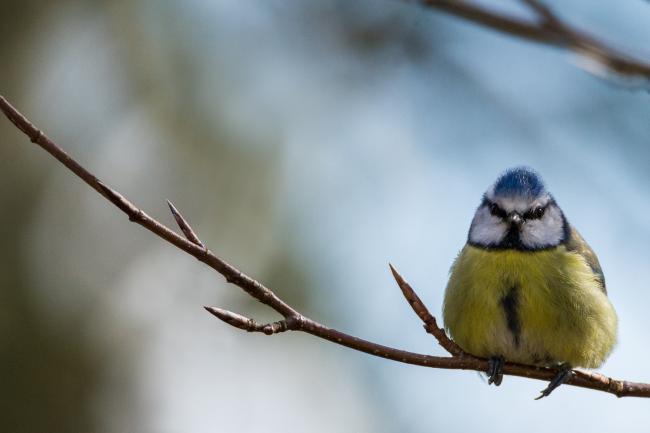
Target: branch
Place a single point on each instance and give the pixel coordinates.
(184, 226)
(548, 29)
(292, 319)
(430, 323)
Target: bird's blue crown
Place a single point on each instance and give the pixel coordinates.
(519, 181)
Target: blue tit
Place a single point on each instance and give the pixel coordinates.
(526, 287)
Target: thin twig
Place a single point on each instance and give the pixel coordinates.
(430, 323)
(293, 320)
(250, 325)
(184, 226)
(548, 29)
(545, 14)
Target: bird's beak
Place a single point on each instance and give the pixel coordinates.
(515, 219)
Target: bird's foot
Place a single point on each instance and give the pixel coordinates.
(564, 373)
(495, 370)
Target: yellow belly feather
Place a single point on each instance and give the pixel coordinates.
(562, 312)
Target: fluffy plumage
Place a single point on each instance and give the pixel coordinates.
(527, 286)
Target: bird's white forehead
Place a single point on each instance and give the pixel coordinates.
(517, 203)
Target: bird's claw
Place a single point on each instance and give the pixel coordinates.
(495, 370)
(564, 374)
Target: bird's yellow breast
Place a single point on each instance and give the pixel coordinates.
(538, 307)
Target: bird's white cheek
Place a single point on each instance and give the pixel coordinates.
(487, 230)
(546, 232)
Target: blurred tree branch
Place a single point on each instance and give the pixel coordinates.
(292, 319)
(549, 29)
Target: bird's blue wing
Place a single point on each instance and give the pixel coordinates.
(577, 244)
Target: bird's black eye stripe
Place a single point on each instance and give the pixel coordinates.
(535, 214)
(496, 210)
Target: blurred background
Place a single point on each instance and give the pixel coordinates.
(309, 143)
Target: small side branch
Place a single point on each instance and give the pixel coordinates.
(545, 16)
(547, 29)
(294, 320)
(250, 325)
(430, 323)
(184, 226)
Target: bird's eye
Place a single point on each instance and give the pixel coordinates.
(497, 211)
(534, 214)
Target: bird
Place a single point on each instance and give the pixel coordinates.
(526, 287)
